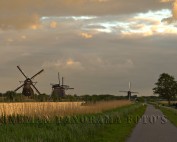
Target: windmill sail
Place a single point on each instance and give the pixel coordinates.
(129, 92)
(28, 84)
(59, 78)
(129, 86)
(58, 90)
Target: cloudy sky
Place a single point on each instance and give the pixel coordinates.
(97, 45)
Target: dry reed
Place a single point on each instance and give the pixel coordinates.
(50, 109)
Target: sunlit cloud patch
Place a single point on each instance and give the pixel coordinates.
(141, 24)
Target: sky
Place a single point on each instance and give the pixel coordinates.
(97, 45)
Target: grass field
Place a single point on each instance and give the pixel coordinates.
(117, 129)
(166, 102)
(170, 113)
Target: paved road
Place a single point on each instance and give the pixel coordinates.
(153, 127)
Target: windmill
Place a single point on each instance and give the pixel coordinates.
(59, 89)
(28, 85)
(129, 92)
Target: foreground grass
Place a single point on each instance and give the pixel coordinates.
(121, 131)
(52, 131)
(170, 113)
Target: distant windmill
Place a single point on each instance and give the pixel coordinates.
(28, 85)
(59, 89)
(129, 92)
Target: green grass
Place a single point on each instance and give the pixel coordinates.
(38, 131)
(120, 132)
(170, 113)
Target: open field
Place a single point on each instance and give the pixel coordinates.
(170, 113)
(76, 132)
(93, 122)
(50, 109)
(166, 102)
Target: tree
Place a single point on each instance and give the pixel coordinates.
(10, 95)
(42, 97)
(166, 87)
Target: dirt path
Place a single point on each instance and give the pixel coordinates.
(153, 127)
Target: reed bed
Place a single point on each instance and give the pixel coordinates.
(51, 109)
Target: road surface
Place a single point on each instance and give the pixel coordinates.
(153, 127)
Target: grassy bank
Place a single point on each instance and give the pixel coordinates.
(170, 113)
(113, 125)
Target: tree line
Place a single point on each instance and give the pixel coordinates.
(11, 96)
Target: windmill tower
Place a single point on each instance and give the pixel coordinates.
(28, 85)
(129, 92)
(59, 89)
